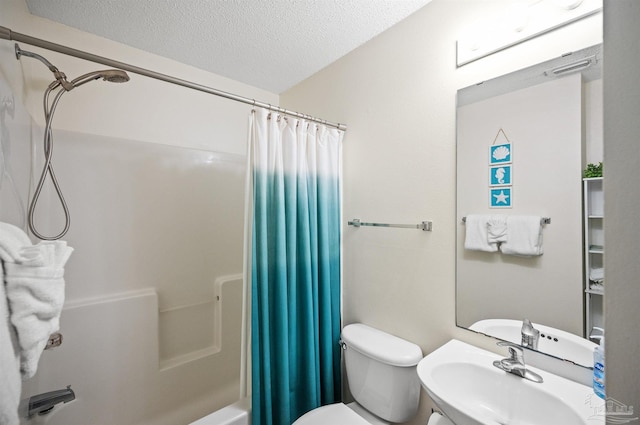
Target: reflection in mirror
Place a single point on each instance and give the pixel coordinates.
(523, 140)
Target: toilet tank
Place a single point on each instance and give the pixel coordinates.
(381, 371)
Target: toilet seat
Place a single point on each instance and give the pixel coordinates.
(337, 413)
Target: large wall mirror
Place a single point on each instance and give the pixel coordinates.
(548, 119)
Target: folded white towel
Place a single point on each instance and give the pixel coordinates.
(476, 235)
(596, 274)
(497, 229)
(525, 236)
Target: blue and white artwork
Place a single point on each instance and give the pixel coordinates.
(500, 154)
(500, 197)
(500, 175)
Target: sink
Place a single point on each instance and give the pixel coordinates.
(464, 384)
(553, 341)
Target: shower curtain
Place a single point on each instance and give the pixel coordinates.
(295, 267)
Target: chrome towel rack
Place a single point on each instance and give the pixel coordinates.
(543, 220)
(426, 226)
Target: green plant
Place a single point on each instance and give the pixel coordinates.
(593, 170)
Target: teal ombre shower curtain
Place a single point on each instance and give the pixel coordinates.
(295, 267)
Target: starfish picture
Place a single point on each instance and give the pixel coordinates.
(501, 198)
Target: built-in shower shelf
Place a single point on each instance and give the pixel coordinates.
(188, 357)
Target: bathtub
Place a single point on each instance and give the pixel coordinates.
(238, 413)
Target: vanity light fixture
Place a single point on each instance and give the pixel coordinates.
(521, 22)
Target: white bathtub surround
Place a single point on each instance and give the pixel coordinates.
(119, 335)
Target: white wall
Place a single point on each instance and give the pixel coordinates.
(397, 95)
(622, 199)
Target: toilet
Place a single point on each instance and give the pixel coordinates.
(381, 372)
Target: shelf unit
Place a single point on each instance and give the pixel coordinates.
(593, 206)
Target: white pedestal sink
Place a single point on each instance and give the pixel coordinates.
(464, 384)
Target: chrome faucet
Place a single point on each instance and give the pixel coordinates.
(530, 335)
(42, 404)
(515, 363)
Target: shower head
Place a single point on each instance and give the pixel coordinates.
(111, 75)
(115, 76)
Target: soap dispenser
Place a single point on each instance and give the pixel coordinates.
(598, 368)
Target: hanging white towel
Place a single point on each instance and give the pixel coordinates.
(10, 385)
(34, 286)
(497, 229)
(477, 235)
(12, 240)
(525, 236)
(36, 296)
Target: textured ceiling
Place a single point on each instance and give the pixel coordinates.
(271, 44)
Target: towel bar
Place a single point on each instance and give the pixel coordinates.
(543, 220)
(426, 226)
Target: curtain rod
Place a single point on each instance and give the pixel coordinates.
(7, 34)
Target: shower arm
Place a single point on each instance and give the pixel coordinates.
(60, 77)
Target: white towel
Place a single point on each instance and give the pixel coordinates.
(497, 229)
(34, 285)
(477, 235)
(12, 240)
(596, 274)
(36, 296)
(10, 385)
(525, 236)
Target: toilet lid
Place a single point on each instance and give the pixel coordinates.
(332, 414)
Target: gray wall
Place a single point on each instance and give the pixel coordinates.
(622, 198)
